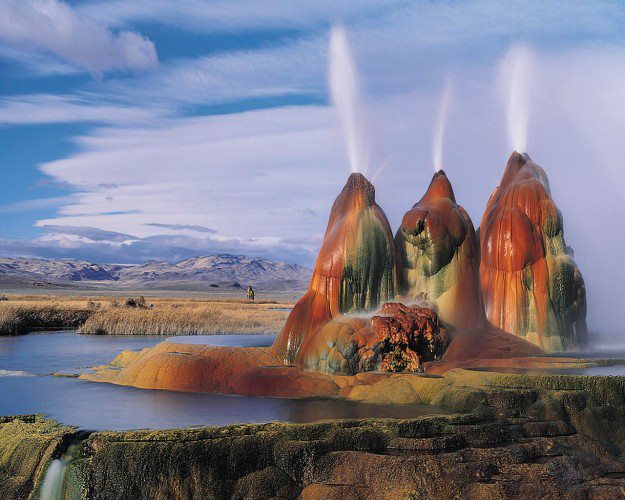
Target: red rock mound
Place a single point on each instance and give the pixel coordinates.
(355, 268)
(438, 257)
(196, 368)
(530, 283)
(400, 338)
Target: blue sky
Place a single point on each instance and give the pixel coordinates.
(148, 129)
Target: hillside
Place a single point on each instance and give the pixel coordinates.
(214, 271)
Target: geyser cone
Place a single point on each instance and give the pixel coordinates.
(531, 285)
(438, 256)
(355, 268)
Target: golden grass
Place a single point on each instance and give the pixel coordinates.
(186, 317)
(164, 316)
(25, 313)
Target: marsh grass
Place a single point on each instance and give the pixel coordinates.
(186, 317)
(159, 316)
(25, 313)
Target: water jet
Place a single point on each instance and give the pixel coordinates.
(344, 82)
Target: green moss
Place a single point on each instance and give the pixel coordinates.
(27, 444)
(460, 398)
(270, 482)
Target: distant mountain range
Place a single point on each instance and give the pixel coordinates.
(216, 271)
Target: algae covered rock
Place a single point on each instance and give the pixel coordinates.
(438, 256)
(27, 445)
(530, 282)
(525, 436)
(399, 338)
(355, 269)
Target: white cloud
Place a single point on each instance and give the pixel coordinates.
(438, 21)
(52, 26)
(221, 172)
(224, 15)
(49, 108)
(33, 204)
(297, 67)
(397, 46)
(91, 244)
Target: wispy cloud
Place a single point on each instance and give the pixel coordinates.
(296, 67)
(54, 27)
(90, 233)
(113, 247)
(34, 204)
(225, 15)
(219, 172)
(439, 20)
(182, 227)
(48, 108)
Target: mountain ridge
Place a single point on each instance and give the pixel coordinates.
(206, 269)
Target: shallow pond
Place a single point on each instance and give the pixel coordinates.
(26, 386)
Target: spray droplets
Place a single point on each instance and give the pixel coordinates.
(345, 92)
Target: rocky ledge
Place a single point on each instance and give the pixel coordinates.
(521, 436)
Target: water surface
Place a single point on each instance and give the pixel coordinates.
(26, 387)
(225, 340)
(43, 353)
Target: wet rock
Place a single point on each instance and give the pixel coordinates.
(530, 283)
(438, 257)
(399, 338)
(355, 268)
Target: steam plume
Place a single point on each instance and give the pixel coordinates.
(515, 78)
(345, 92)
(441, 123)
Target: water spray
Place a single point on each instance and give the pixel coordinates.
(382, 166)
(345, 93)
(441, 123)
(515, 77)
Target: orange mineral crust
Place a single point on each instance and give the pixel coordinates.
(256, 371)
(530, 282)
(438, 257)
(398, 338)
(355, 268)
(229, 370)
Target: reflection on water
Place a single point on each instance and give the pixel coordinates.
(93, 405)
(601, 346)
(225, 340)
(615, 370)
(42, 353)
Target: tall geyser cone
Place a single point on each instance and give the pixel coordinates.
(530, 282)
(438, 256)
(355, 269)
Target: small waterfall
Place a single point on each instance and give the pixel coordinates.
(52, 488)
